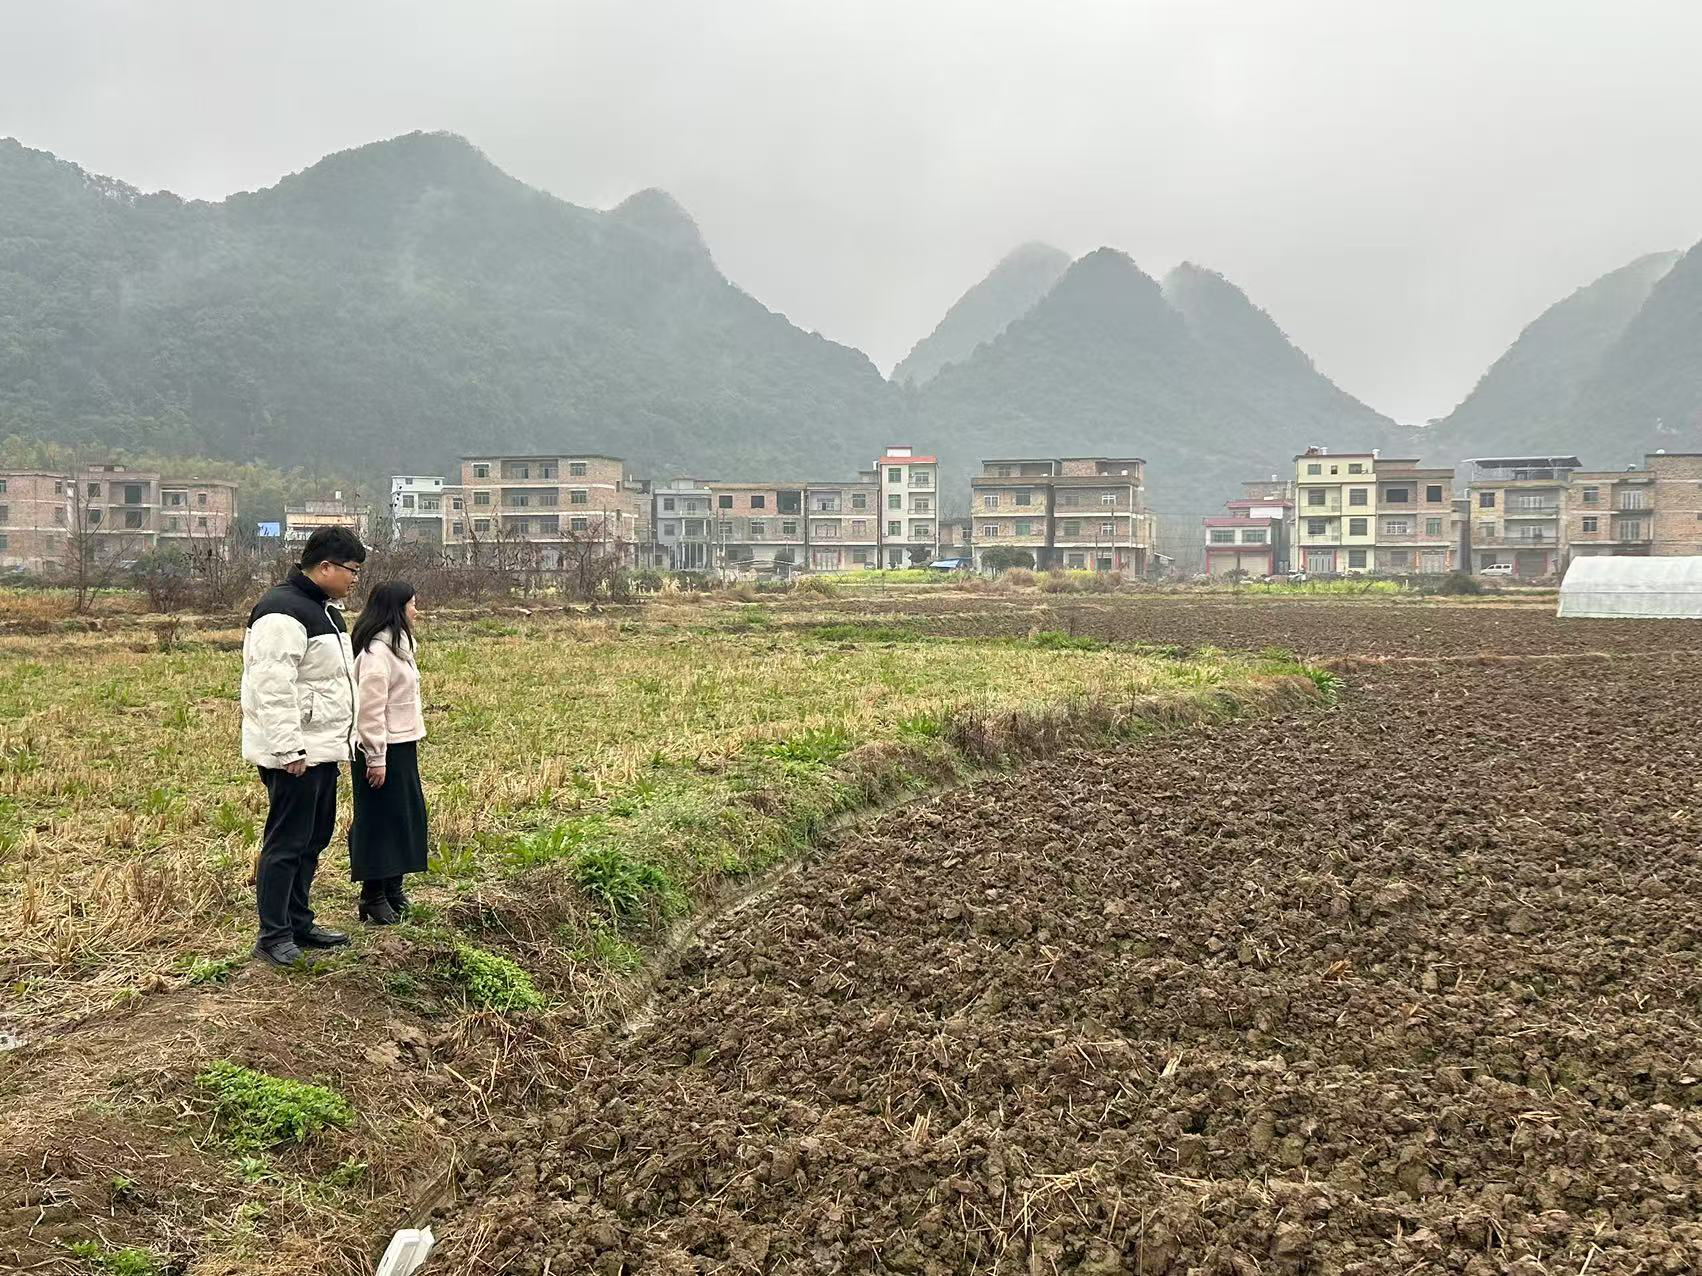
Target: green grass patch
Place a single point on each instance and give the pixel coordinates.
(255, 1111)
(125, 1261)
(817, 747)
(570, 839)
(851, 632)
(622, 883)
(213, 970)
(493, 982)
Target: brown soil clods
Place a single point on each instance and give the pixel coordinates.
(1407, 986)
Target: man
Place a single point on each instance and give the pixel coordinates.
(298, 723)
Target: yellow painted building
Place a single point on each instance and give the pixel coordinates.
(1335, 512)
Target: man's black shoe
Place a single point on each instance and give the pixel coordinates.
(319, 937)
(282, 953)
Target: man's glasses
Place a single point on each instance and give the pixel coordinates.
(353, 569)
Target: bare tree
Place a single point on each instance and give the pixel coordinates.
(93, 553)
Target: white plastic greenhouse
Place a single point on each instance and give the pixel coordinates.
(1655, 587)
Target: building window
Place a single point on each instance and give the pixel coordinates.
(1355, 467)
(895, 502)
(1433, 493)
(1432, 527)
(1397, 495)
(921, 505)
(201, 523)
(1631, 530)
(1022, 527)
(2, 540)
(481, 498)
(481, 524)
(1069, 499)
(94, 490)
(2, 487)
(1077, 561)
(1107, 530)
(921, 478)
(578, 525)
(989, 531)
(758, 528)
(1591, 495)
(1314, 468)
(200, 498)
(1396, 527)
(725, 529)
(1356, 558)
(1359, 496)
(1486, 500)
(94, 517)
(859, 527)
(455, 503)
(1358, 526)
(1398, 558)
(670, 529)
(1315, 496)
(724, 502)
(1021, 498)
(668, 504)
(575, 469)
(1108, 498)
(1633, 500)
(1072, 527)
(1590, 524)
(132, 519)
(826, 527)
(1317, 526)
(759, 502)
(1223, 536)
(59, 516)
(481, 471)
(895, 474)
(859, 500)
(59, 487)
(578, 496)
(788, 528)
(1253, 536)
(895, 529)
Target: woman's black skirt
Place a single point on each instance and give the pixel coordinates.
(388, 836)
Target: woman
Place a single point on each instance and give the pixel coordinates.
(388, 837)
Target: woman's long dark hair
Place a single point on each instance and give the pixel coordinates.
(386, 612)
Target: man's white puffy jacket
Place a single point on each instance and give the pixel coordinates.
(298, 679)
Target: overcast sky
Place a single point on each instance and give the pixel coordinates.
(1402, 185)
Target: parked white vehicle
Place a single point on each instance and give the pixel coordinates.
(1496, 569)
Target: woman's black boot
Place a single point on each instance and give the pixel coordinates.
(375, 908)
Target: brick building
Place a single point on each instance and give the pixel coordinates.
(1415, 519)
(1677, 496)
(1086, 513)
(684, 526)
(1252, 538)
(35, 514)
(554, 502)
(1518, 508)
(306, 517)
(1608, 513)
(844, 524)
(420, 508)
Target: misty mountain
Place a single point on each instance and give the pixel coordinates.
(1577, 368)
(1025, 275)
(1189, 375)
(1647, 392)
(394, 306)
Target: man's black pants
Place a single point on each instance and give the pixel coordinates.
(299, 825)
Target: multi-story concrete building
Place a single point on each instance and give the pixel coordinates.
(684, 521)
(1335, 511)
(306, 517)
(1517, 506)
(1252, 538)
(1071, 512)
(759, 526)
(1677, 497)
(1608, 513)
(1414, 525)
(35, 515)
(419, 508)
(118, 509)
(843, 525)
(554, 502)
(910, 510)
(196, 515)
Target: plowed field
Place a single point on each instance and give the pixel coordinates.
(1407, 985)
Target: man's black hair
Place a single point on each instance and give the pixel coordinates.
(332, 545)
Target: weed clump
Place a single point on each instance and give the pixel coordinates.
(493, 982)
(622, 884)
(126, 1261)
(213, 970)
(851, 632)
(816, 747)
(258, 1111)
